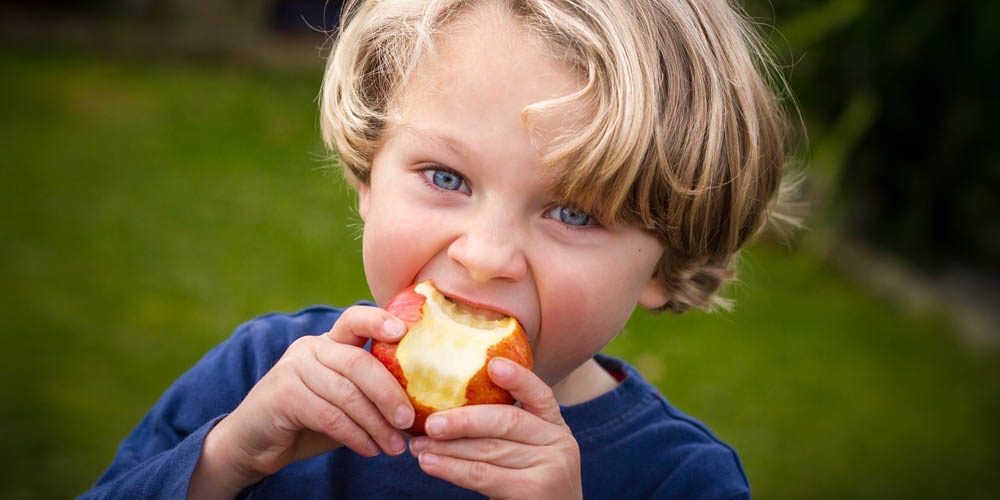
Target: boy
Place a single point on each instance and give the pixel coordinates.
(556, 161)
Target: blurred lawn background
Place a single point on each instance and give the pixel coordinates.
(151, 204)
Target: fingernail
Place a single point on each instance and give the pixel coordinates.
(428, 459)
(403, 417)
(501, 368)
(373, 448)
(434, 425)
(397, 444)
(418, 444)
(393, 328)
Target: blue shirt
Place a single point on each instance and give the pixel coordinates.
(633, 443)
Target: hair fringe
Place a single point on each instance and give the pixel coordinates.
(686, 134)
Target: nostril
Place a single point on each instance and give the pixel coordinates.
(479, 277)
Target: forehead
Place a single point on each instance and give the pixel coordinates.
(482, 80)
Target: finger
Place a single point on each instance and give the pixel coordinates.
(359, 323)
(320, 416)
(342, 393)
(312, 443)
(535, 396)
(494, 451)
(487, 479)
(491, 421)
(374, 380)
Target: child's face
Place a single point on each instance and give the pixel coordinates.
(458, 195)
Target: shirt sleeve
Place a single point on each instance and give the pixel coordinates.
(163, 475)
(711, 473)
(158, 458)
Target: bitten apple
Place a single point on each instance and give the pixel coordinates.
(441, 361)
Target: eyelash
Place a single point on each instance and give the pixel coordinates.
(426, 172)
(594, 223)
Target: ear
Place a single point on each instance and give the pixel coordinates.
(654, 295)
(363, 191)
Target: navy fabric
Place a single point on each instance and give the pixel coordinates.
(633, 443)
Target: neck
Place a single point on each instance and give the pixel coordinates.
(583, 384)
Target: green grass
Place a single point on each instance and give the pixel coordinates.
(827, 392)
(148, 207)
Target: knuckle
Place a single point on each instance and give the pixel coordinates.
(289, 363)
(360, 315)
(479, 474)
(351, 313)
(300, 344)
(284, 365)
(571, 446)
(350, 395)
(347, 318)
(489, 448)
(333, 420)
(355, 360)
(390, 395)
(512, 421)
(545, 393)
(461, 422)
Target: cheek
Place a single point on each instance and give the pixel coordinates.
(394, 251)
(584, 308)
(580, 316)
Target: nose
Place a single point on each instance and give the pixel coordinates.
(490, 248)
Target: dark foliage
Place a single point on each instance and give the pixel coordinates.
(923, 178)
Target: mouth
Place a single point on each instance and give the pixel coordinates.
(475, 314)
(474, 310)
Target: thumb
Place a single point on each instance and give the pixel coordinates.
(535, 396)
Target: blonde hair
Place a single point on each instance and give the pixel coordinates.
(686, 138)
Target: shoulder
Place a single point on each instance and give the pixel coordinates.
(174, 427)
(257, 344)
(280, 329)
(224, 375)
(635, 434)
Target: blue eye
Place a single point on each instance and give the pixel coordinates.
(446, 180)
(570, 216)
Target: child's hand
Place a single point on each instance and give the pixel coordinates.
(505, 451)
(326, 391)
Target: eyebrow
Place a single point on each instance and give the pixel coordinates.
(440, 138)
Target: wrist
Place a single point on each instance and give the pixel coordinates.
(220, 472)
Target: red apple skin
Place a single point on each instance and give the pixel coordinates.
(408, 306)
(386, 353)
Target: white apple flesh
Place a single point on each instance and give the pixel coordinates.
(441, 361)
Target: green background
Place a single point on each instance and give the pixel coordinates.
(149, 206)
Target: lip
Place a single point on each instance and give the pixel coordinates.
(478, 305)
